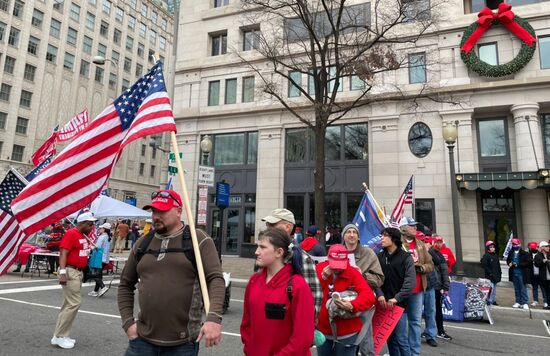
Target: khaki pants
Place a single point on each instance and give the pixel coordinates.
(119, 245)
(71, 303)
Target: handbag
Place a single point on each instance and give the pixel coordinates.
(96, 258)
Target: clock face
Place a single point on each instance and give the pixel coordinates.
(420, 139)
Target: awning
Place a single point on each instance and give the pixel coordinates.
(503, 180)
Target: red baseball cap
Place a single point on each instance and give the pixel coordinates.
(516, 242)
(338, 256)
(438, 238)
(164, 200)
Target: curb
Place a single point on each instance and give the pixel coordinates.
(531, 313)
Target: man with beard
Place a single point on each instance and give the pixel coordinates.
(169, 292)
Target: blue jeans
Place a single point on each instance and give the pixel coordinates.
(343, 347)
(414, 315)
(493, 296)
(398, 342)
(140, 347)
(519, 288)
(429, 314)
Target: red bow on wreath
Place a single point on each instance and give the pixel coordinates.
(506, 18)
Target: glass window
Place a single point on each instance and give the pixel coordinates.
(4, 5)
(295, 203)
(333, 141)
(107, 7)
(141, 168)
(229, 149)
(75, 12)
(153, 169)
(3, 119)
(30, 72)
(332, 209)
(9, 65)
(416, 10)
(544, 50)
(104, 29)
(214, 93)
(115, 56)
(139, 70)
(129, 43)
(102, 50)
(90, 21)
(17, 153)
(356, 142)
(353, 202)
(71, 36)
(164, 24)
(22, 125)
(231, 91)
(133, 4)
(37, 18)
(55, 28)
(219, 44)
(144, 9)
(117, 36)
(125, 84)
(141, 50)
(131, 22)
(251, 39)
(420, 139)
(417, 68)
(310, 83)
(220, 3)
(68, 62)
(84, 68)
(425, 212)
(14, 37)
(112, 80)
(92, 2)
(142, 29)
(127, 64)
(296, 141)
(99, 74)
(248, 89)
(2, 30)
(162, 43)
(58, 6)
(119, 15)
(332, 80)
(18, 8)
(294, 89)
(546, 133)
(51, 54)
(5, 92)
(252, 148)
(249, 225)
(356, 83)
(26, 99)
(154, 17)
(488, 53)
(497, 201)
(87, 44)
(152, 38)
(492, 138)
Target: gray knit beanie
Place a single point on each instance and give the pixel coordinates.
(349, 226)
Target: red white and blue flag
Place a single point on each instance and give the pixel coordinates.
(76, 176)
(72, 128)
(370, 220)
(405, 198)
(47, 149)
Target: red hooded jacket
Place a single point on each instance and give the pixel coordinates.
(292, 335)
(349, 279)
(449, 256)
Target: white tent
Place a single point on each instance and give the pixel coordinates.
(104, 207)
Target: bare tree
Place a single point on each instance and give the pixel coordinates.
(325, 41)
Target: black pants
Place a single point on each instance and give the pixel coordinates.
(99, 280)
(438, 312)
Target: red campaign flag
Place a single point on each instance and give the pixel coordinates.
(46, 150)
(76, 176)
(72, 128)
(405, 198)
(383, 323)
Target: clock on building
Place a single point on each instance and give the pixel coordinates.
(420, 139)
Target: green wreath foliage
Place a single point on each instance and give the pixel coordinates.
(525, 54)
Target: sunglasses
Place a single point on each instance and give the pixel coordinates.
(164, 194)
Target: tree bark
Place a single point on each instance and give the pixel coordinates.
(319, 175)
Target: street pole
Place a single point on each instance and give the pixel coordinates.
(456, 213)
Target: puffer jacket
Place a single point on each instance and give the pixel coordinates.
(439, 278)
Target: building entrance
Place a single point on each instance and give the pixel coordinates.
(499, 217)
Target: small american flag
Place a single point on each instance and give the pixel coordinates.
(404, 199)
(11, 235)
(76, 176)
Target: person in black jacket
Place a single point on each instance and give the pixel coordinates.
(520, 263)
(399, 282)
(542, 261)
(491, 266)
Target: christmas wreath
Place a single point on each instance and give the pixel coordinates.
(515, 24)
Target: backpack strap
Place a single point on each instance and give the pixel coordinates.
(289, 290)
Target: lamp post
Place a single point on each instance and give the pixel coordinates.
(450, 134)
(206, 147)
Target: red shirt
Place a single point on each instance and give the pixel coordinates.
(414, 253)
(449, 257)
(292, 335)
(77, 244)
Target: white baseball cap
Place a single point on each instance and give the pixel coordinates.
(544, 244)
(105, 226)
(87, 216)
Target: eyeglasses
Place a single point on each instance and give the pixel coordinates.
(164, 194)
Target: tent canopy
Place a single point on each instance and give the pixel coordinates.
(104, 207)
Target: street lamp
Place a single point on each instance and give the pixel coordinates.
(206, 147)
(450, 134)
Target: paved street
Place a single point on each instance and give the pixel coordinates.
(29, 309)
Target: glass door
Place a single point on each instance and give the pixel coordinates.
(233, 227)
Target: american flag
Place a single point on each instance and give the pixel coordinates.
(404, 199)
(76, 176)
(11, 235)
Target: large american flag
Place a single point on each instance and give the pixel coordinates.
(76, 176)
(405, 198)
(11, 235)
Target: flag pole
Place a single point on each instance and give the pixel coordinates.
(385, 220)
(191, 223)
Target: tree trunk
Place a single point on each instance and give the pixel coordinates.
(319, 179)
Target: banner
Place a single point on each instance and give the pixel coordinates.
(370, 220)
(457, 292)
(383, 323)
(73, 127)
(47, 149)
(36, 171)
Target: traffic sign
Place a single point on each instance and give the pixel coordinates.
(206, 176)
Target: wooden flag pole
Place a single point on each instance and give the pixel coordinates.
(191, 223)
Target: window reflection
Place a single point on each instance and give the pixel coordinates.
(332, 143)
(295, 145)
(252, 148)
(420, 139)
(488, 53)
(492, 138)
(229, 149)
(356, 141)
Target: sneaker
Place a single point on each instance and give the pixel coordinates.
(17, 270)
(546, 305)
(526, 306)
(444, 336)
(102, 291)
(431, 342)
(93, 294)
(63, 342)
(534, 304)
(516, 305)
(495, 303)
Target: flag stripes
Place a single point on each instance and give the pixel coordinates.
(405, 198)
(11, 238)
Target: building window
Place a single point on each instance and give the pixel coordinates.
(332, 79)
(3, 119)
(129, 43)
(75, 12)
(37, 18)
(55, 28)
(356, 142)
(492, 138)
(229, 149)
(154, 17)
(87, 44)
(417, 68)
(107, 7)
(21, 126)
(26, 99)
(333, 143)
(252, 150)
(220, 3)
(294, 88)
(98, 74)
(102, 50)
(139, 70)
(2, 31)
(29, 72)
(544, 51)
(17, 153)
(131, 22)
(142, 30)
(14, 37)
(162, 43)
(154, 153)
(214, 93)
(119, 14)
(311, 83)
(5, 92)
(219, 44)
(546, 137)
(356, 83)
(133, 4)
(4, 5)
(425, 213)
(58, 6)
(420, 139)
(32, 47)
(125, 84)
(251, 39)
(90, 21)
(9, 65)
(416, 10)
(141, 168)
(144, 9)
(104, 29)
(488, 53)
(71, 36)
(153, 171)
(248, 89)
(164, 24)
(152, 38)
(18, 8)
(112, 81)
(127, 64)
(296, 145)
(117, 36)
(68, 62)
(231, 91)
(84, 68)
(51, 54)
(115, 56)
(141, 50)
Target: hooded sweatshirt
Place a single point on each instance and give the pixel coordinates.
(313, 247)
(291, 335)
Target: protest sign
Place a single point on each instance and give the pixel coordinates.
(383, 323)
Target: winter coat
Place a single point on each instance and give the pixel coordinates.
(449, 257)
(313, 247)
(491, 265)
(424, 265)
(525, 262)
(399, 276)
(291, 335)
(366, 260)
(439, 278)
(544, 268)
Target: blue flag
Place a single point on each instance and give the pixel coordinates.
(169, 184)
(370, 220)
(508, 245)
(36, 171)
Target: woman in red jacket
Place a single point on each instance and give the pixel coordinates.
(337, 277)
(278, 316)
